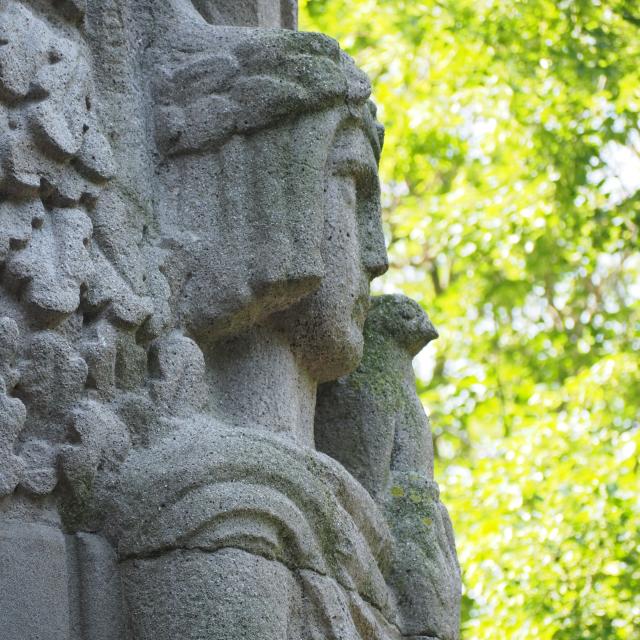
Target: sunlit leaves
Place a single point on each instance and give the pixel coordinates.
(511, 199)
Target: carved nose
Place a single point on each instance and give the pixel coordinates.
(378, 264)
(374, 250)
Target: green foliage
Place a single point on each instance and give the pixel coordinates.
(512, 204)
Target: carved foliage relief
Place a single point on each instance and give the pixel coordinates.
(55, 163)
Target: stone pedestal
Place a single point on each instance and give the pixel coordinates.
(58, 587)
(34, 583)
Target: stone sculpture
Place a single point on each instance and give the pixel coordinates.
(373, 423)
(189, 222)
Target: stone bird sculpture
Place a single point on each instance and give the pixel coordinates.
(373, 422)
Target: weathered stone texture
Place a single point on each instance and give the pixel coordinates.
(189, 223)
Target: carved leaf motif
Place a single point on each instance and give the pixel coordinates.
(56, 262)
(99, 350)
(40, 476)
(12, 417)
(102, 437)
(12, 411)
(19, 57)
(102, 444)
(16, 222)
(9, 335)
(52, 132)
(52, 150)
(107, 286)
(52, 378)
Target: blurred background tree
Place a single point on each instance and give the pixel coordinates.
(511, 186)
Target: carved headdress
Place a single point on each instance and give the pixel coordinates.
(244, 134)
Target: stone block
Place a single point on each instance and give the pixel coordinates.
(34, 596)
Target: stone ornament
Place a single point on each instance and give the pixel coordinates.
(189, 223)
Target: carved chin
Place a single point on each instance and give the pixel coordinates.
(336, 354)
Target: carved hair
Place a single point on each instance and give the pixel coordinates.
(245, 134)
(259, 80)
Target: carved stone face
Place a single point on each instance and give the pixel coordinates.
(269, 196)
(326, 327)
